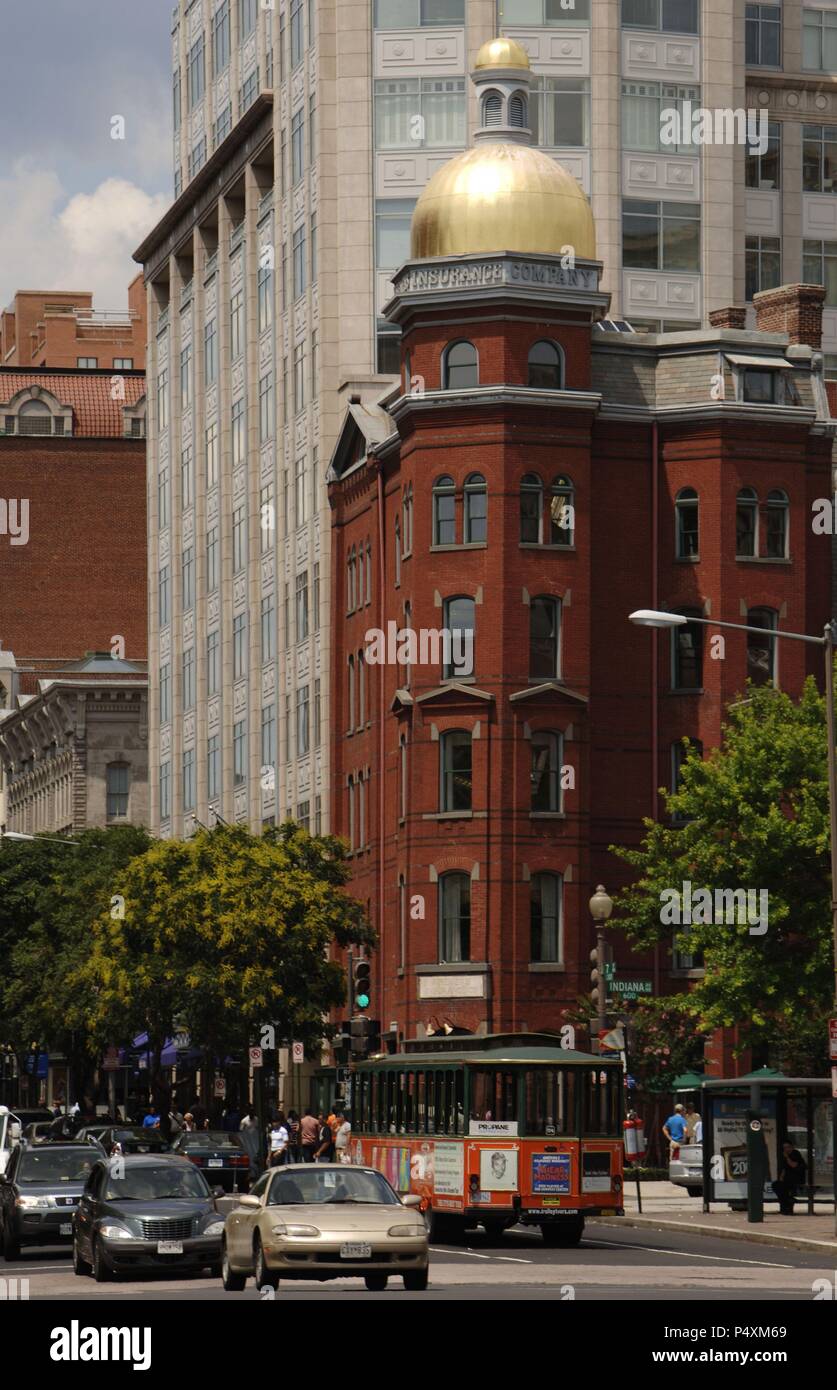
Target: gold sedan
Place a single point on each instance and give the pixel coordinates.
(324, 1221)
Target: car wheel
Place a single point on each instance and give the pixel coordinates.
(562, 1235)
(101, 1272)
(376, 1283)
(415, 1280)
(11, 1245)
(80, 1266)
(214, 1271)
(695, 1191)
(262, 1275)
(233, 1281)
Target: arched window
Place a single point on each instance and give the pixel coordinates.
(476, 509)
(777, 524)
(402, 767)
(351, 723)
(444, 511)
(117, 776)
(561, 512)
(544, 638)
(546, 771)
(761, 647)
(397, 551)
(746, 523)
(407, 519)
(517, 111)
(460, 366)
(361, 691)
(408, 623)
(455, 779)
(454, 917)
(545, 366)
(352, 831)
(34, 417)
(686, 523)
(531, 509)
(545, 917)
(459, 622)
(492, 109)
(351, 582)
(687, 654)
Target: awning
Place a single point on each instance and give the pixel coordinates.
(739, 360)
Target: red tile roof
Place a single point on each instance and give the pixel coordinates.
(95, 414)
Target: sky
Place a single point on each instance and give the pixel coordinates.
(75, 203)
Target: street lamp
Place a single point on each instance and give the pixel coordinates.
(650, 617)
(50, 839)
(601, 907)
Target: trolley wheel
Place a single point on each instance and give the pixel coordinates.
(562, 1234)
(442, 1227)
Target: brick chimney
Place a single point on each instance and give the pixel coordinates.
(733, 316)
(792, 309)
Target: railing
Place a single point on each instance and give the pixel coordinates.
(99, 318)
(186, 292)
(163, 320)
(236, 236)
(211, 265)
(266, 203)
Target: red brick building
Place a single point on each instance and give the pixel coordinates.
(60, 328)
(536, 477)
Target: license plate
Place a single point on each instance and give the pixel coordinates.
(169, 1247)
(216, 1163)
(66, 1228)
(355, 1250)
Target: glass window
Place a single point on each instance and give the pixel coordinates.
(268, 737)
(268, 628)
(763, 264)
(686, 512)
(410, 14)
(189, 779)
(454, 918)
(760, 387)
(163, 498)
(545, 361)
(644, 106)
(493, 1094)
(746, 523)
(296, 32)
(246, 18)
(544, 638)
(265, 408)
(819, 158)
(165, 693)
(443, 118)
(392, 231)
(531, 509)
(197, 73)
(211, 456)
(213, 767)
(687, 655)
(302, 606)
(164, 596)
(236, 325)
(117, 776)
(221, 38)
(763, 35)
(459, 622)
(210, 353)
(600, 1109)
(165, 790)
(819, 40)
(213, 662)
(761, 647)
(239, 538)
(186, 478)
(189, 678)
(265, 297)
(671, 16)
(303, 721)
(239, 646)
(476, 511)
(550, 1101)
(188, 578)
(456, 782)
(679, 753)
(297, 146)
(660, 236)
(444, 511)
(547, 752)
(460, 367)
(545, 917)
(765, 170)
(299, 266)
(777, 524)
(239, 753)
(819, 267)
(212, 559)
(561, 512)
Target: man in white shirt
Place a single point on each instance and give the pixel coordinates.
(278, 1141)
(341, 1140)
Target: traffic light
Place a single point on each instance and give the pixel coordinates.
(366, 1036)
(595, 982)
(363, 987)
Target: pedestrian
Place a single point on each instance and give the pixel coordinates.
(152, 1119)
(325, 1141)
(308, 1134)
(250, 1120)
(189, 1125)
(692, 1119)
(278, 1141)
(791, 1178)
(674, 1128)
(293, 1136)
(175, 1122)
(698, 1137)
(199, 1113)
(341, 1140)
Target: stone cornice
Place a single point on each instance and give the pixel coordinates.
(501, 277)
(590, 401)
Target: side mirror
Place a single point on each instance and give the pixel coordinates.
(249, 1201)
(412, 1199)
(219, 1192)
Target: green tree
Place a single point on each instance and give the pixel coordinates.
(755, 816)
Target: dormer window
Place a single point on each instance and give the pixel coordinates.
(34, 417)
(36, 411)
(517, 111)
(133, 417)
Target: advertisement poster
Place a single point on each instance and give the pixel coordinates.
(394, 1162)
(730, 1141)
(550, 1173)
(449, 1174)
(498, 1170)
(823, 1146)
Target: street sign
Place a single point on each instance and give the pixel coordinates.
(298, 1051)
(832, 1039)
(609, 970)
(220, 1088)
(256, 1059)
(834, 1083)
(110, 1061)
(631, 989)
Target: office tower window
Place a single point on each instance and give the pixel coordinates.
(268, 628)
(165, 693)
(239, 538)
(188, 573)
(687, 654)
(670, 16)
(762, 264)
(265, 297)
(765, 170)
(420, 113)
(268, 737)
(165, 790)
(211, 456)
(643, 105)
(460, 621)
(318, 715)
(455, 774)
(163, 399)
(288, 729)
(189, 678)
(819, 40)
(221, 38)
(686, 524)
(287, 614)
(222, 126)
(189, 779)
(299, 388)
(819, 158)
(312, 129)
(197, 73)
(819, 267)
(318, 815)
(213, 662)
(476, 511)
(267, 518)
(778, 512)
(212, 569)
(299, 262)
(660, 236)
(392, 231)
(186, 377)
(246, 18)
(544, 638)
(763, 36)
(187, 489)
(163, 498)
(266, 409)
(444, 511)
(239, 646)
(247, 92)
(761, 647)
(559, 112)
(545, 917)
(176, 91)
(164, 597)
(302, 606)
(411, 14)
(303, 815)
(197, 157)
(315, 363)
(236, 325)
(239, 753)
(303, 732)
(297, 146)
(210, 353)
(547, 753)
(454, 917)
(301, 492)
(213, 767)
(237, 433)
(315, 599)
(296, 32)
(178, 181)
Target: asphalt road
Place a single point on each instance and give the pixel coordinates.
(612, 1263)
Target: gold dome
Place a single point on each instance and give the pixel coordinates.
(502, 197)
(502, 53)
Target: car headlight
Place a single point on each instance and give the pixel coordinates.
(281, 1230)
(30, 1203)
(215, 1228)
(412, 1231)
(113, 1230)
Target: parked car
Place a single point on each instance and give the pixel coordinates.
(130, 1139)
(685, 1168)
(37, 1132)
(222, 1156)
(39, 1193)
(324, 1221)
(12, 1124)
(146, 1212)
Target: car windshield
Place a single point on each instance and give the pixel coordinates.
(320, 1185)
(137, 1136)
(211, 1139)
(51, 1166)
(149, 1184)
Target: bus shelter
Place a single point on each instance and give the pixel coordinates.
(781, 1108)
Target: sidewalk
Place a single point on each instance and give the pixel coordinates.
(666, 1207)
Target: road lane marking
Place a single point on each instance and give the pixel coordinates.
(513, 1260)
(685, 1255)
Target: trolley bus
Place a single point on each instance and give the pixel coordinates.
(496, 1130)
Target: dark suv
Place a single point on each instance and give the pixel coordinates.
(39, 1193)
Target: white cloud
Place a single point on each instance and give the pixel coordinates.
(48, 242)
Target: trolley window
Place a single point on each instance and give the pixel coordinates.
(493, 1094)
(600, 1102)
(550, 1101)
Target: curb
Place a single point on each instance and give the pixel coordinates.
(722, 1232)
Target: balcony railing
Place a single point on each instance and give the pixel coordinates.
(236, 236)
(211, 265)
